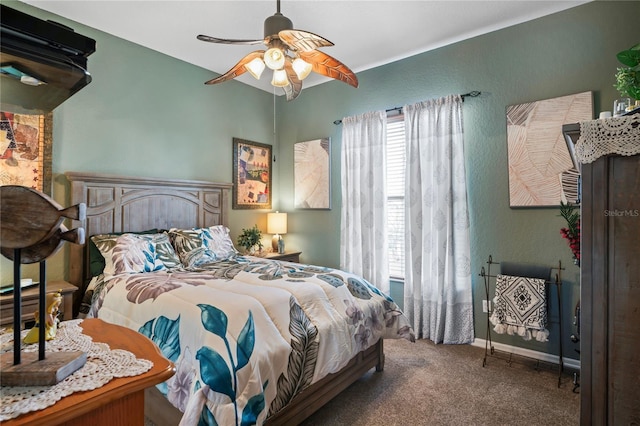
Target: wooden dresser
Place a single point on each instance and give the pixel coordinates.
(120, 401)
(610, 292)
(30, 302)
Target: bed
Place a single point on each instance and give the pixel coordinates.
(255, 341)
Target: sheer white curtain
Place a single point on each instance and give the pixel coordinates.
(437, 290)
(363, 236)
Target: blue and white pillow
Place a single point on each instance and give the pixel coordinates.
(197, 246)
(135, 253)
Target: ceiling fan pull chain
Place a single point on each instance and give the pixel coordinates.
(274, 118)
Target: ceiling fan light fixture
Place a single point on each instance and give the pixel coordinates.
(302, 68)
(280, 78)
(255, 67)
(274, 58)
(291, 54)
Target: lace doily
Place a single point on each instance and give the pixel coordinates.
(103, 364)
(617, 135)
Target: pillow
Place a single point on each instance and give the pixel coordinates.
(217, 239)
(202, 245)
(164, 250)
(96, 260)
(134, 253)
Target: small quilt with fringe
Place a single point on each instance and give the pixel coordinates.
(520, 307)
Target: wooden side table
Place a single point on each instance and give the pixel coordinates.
(293, 256)
(30, 302)
(119, 402)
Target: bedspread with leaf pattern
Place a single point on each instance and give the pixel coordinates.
(246, 335)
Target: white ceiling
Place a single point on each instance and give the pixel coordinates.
(366, 34)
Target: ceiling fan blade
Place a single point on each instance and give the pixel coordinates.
(210, 39)
(295, 84)
(238, 69)
(303, 41)
(329, 66)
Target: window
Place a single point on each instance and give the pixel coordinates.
(395, 194)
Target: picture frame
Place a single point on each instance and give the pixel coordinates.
(541, 170)
(252, 175)
(312, 174)
(26, 146)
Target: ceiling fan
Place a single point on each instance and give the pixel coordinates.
(291, 54)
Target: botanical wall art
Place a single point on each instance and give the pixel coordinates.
(25, 150)
(541, 172)
(251, 175)
(312, 174)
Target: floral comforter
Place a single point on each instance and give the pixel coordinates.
(246, 335)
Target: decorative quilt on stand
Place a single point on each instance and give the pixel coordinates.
(520, 307)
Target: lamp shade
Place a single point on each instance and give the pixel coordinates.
(274, 58)
(280, 78)
(255, 68)
(302, 68)
(276, 223)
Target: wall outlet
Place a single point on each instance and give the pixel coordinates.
(486, 306)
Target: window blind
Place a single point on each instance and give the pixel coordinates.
(396, 159)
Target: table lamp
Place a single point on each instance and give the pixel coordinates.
(277, 225)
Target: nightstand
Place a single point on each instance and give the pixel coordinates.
(30, 302)
(293, 256)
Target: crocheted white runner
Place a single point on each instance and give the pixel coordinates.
(616, 135)
(103, 364)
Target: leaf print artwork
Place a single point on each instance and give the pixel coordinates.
(134, 254)
(299, 274)
(217, 374)
(165, 333)
(144, 287)
(358, 289)
(302, 359)
(248, 335)
(333, 279)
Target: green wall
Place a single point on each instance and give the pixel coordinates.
(569, 52)
(146, 114)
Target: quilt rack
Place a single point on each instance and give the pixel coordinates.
(557, 282)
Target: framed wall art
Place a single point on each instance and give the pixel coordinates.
(25, 150)
(251, 175)
(541, 171)
(312, 174)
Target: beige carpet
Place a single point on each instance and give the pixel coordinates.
(427, 384)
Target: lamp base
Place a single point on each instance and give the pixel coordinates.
(274, 242)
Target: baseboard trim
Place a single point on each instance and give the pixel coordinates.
(529, 353)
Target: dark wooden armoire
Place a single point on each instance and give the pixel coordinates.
(610, 290)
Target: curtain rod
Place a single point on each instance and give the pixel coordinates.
(471, 94)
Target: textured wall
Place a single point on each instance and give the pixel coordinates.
(149, 115)
(146, 114)
(565, 53)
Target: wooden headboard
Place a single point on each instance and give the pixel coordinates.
(133, 204)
